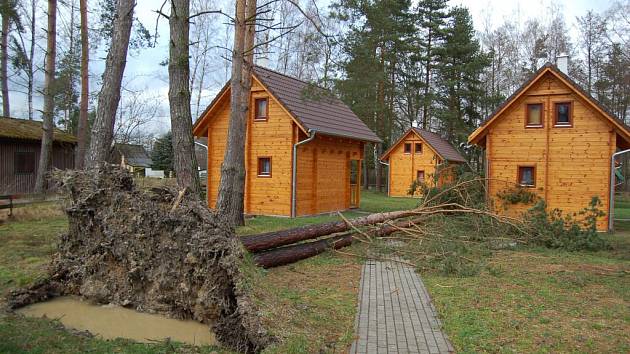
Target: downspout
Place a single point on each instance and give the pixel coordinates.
(611, 204)
(388, 173)
(294, 174)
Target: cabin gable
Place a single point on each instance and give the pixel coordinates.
(570, 162)
(405, 166)
(272, 138)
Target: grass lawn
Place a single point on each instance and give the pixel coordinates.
(540, 300)
(622, 207)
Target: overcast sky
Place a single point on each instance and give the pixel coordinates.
(143, 71)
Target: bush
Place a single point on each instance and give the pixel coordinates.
(554, 230)
(516, 195)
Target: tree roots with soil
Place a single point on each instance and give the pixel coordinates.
(156, 251)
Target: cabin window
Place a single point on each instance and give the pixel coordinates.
(407, 148)
(261, 109)
(527, 176)
(534, 115)
(563, 114)
(418, 148)
(264, 167)
(24, 162)
(420, 176)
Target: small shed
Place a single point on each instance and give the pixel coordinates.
(20, 145)
(132, 157)
(418, 156)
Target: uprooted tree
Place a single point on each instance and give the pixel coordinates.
(159, 251)
(451, 229)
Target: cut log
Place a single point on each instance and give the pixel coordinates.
(290, 254)
(268, 240)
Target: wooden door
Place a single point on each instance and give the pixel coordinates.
(355, 183)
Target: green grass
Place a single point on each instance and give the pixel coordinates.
(622, 208)
(375, 202)
(540, 300)
(371, 202)
(26, 249)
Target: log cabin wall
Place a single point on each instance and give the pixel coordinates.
(572, 164)
(23, 182)
(404, 167)
(323, 174)
(268, 195)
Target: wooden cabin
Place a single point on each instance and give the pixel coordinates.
(553, 139)
(418, 155)
(303, 147)
(133, 157)
(20, 147)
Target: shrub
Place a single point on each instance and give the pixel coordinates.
(516, 195)
(552, 229)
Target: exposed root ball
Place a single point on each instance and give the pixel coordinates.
(127, 247)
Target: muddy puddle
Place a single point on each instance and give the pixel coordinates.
(110, 322)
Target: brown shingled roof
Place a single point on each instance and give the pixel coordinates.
(442, 147)
(13, 128)
(314, 107)
(135, 155)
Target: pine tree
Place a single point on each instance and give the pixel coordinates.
(162, 153)
(375, 47)
(459, 89)
(432, 16)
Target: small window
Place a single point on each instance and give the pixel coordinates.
(527, 176)
(264, 167)
(420, 176)
(534, 115)
(24, 162)
(563, 114)
(261, 109)
(407, 148)
(418, 148)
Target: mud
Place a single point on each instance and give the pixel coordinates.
(111, 322)
(150, 251)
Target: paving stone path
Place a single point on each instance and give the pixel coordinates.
(395, 313)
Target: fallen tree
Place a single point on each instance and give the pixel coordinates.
(268, 240)
(156, 251)
(290, 254)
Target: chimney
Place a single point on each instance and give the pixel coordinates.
(562, 62)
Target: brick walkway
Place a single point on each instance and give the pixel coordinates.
(395, 313)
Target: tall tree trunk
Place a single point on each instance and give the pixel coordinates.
(109, 97)
(45, 155)
(230, 200)
(31, 67)
(82, 133)
(184, 159)
(427, 84)
(4, 59)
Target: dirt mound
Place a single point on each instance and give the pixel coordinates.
(135, 249)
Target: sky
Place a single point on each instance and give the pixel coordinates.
(144, 72)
